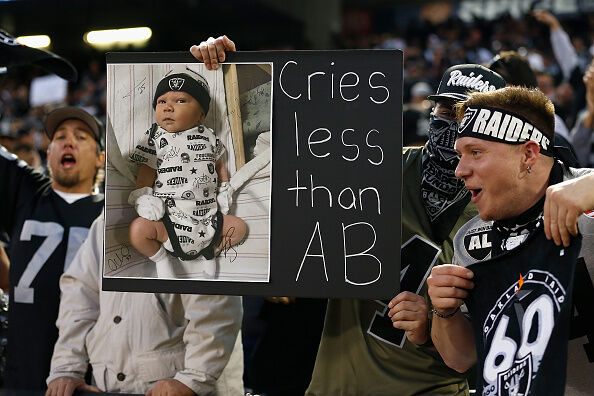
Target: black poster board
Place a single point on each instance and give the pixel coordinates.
(336, 176)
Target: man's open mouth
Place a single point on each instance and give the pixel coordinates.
(475, 193)
(68, 161)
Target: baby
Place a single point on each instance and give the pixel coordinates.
(177, 195)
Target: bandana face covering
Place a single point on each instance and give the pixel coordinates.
(440, 188)
(442, 136)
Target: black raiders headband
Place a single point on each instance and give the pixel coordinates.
(197, 87)
(498, 125)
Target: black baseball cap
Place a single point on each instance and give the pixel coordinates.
(61, 114)
(13, 53)
(458, 80)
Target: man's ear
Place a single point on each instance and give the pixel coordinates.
(530, 153)
(100, 160)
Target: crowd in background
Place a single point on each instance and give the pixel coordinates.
(429, 48)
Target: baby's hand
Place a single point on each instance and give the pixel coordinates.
(147, 205)
(150, 207)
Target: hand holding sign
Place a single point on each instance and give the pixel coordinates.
(212, 51)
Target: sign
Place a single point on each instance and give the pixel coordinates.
(334, 209)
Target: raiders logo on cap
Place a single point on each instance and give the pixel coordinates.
(176, 83)
(459, 80)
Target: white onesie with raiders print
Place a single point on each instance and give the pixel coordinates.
(186, 181)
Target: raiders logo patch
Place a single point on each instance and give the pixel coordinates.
(163, 142)
(201, 129)
(477, 244)
(176, 83)
(205, 192)
(467, 119)
(516, 380)
(159, 184)
(211, 168)
(169, 202)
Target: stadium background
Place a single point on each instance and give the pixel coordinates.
(433, 35)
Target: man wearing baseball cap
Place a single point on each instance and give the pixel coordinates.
(46, 219)
(375, 347)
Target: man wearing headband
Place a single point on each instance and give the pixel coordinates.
(516, 283)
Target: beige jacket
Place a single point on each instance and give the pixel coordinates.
(132, 340)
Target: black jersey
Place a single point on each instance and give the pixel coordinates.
(45, 232)
(530, 298)
(521, 309)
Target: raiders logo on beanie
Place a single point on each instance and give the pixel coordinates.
(196, 87)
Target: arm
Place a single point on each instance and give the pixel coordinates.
(562, 48)
(589, 82)
(564, 203)
(214, 322)
(212, 51)
(583, 128)
(222, 172)
(4, 270)
(143, 200)
(146, 176)
(79, 310)
(453, 337)
(408, 312)
(18, 181)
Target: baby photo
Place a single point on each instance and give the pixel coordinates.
(188, 175)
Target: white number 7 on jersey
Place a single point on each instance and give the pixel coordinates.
(23, 292)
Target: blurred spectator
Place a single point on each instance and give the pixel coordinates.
(517, 71)
(415, 115)
(28, 154)
(569, 96)
(582, 135)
